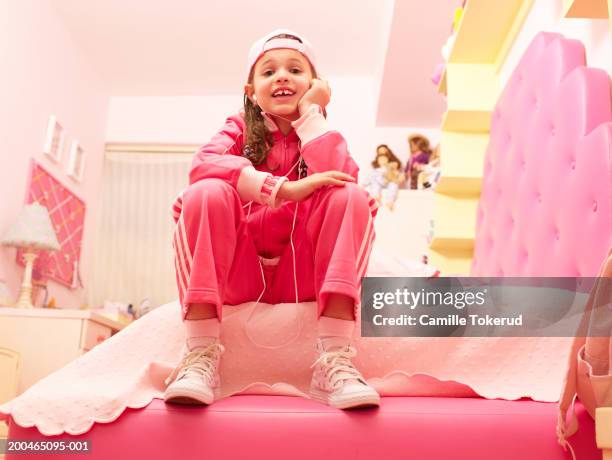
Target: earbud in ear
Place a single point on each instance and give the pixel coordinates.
(254, 99)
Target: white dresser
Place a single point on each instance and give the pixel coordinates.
(48, 339)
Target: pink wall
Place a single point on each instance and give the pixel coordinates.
(407, 97)
(44, 73)
(195, 119)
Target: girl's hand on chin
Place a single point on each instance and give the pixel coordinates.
(319, 93)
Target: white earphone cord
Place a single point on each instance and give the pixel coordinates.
(263, 278)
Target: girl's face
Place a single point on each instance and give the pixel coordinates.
(381, 151)
(280, 79)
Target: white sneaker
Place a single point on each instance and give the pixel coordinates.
(337, 383)
(196, 378)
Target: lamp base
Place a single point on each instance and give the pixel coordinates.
(25, 294)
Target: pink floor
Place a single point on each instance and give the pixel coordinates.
(279, 427)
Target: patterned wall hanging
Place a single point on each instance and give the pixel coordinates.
(67, 212)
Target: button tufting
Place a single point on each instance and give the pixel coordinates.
(573, 165)
(594, 207)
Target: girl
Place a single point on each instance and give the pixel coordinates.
(420, 151)
(273, 213)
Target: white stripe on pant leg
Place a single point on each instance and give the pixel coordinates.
(179, 282)
(181, 277)
(184, 247)
(184, 241)
(366, 257)
(180, 252)
(365, 239)
(180, 222)
(184, 279)
(181, 259)
(371, 235)
(362, 270)
(362, 262)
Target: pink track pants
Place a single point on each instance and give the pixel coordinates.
(216, 246)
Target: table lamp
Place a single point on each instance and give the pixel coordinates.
(33, 232)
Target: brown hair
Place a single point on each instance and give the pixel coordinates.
(389, 154)
(259, 139)
(421, 143)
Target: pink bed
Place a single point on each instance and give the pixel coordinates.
(281, 427)
(545, 210)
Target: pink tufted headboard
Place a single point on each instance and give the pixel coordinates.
(546, 202)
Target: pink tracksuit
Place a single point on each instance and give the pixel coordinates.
(233, 234)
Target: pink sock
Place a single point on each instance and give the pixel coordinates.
(335, 332)
(202, 332)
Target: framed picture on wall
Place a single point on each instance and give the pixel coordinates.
(76, 164)
(54, 142)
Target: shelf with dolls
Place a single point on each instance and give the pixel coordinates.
(484, 32)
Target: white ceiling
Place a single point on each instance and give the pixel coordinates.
(162, 47)
(183, 47)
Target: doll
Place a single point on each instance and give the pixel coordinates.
(431, 172)
(393, 179)
(377, 181)
(420, 151)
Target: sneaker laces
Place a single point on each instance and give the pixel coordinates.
(201, 362)
(338, 366)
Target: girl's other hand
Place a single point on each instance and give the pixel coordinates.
(301, 189)
(319, 93)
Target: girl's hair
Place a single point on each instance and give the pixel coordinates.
(382, 146)
(421, 143)
(259, 139)
(389, 154)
